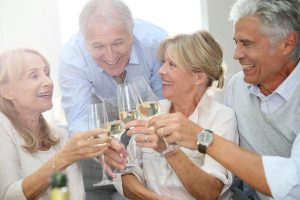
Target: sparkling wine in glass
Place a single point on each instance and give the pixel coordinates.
(127, 105)
(148, 104)
(116, 128)
(98, 119)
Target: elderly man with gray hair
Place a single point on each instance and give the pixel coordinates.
(111, 48)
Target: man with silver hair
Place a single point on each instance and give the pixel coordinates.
(265, 96)
(111, 48)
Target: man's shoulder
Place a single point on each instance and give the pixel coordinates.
(73, 50)
(144, 30)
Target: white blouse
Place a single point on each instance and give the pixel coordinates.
(157, 174)
(17, 163)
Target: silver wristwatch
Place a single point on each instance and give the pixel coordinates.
(204, 139)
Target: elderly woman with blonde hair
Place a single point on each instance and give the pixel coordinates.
(191, 64)
(30, 149)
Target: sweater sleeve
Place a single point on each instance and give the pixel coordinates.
(11, 181)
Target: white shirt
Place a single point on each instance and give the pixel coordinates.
(158, 175)
(17, 163)
(283, 174)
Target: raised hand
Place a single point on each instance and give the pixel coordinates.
(145, 137)
(176, 128)
(115, 156)
(82, 146)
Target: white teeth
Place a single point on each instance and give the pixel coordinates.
(167, 83)
(247, 67)
(111, 63)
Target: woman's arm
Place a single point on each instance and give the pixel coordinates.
(134, 189)
(197, 182)
(34, 185)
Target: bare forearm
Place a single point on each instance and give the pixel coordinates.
(198, 183)
(40, 178)
(134, 189)
(245, 164)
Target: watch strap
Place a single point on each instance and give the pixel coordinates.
(201, 147)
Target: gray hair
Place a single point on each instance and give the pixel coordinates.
(278, 18)
(109, 11)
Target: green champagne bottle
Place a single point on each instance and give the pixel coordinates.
(59, 189)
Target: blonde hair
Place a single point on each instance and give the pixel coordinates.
(11, 69)
(197, 52)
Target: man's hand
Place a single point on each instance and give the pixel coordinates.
(177, 129)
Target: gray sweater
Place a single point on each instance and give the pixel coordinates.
(265, 134)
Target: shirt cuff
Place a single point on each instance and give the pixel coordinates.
(15, 191)
(281, 175)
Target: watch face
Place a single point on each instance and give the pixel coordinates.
(205, 137)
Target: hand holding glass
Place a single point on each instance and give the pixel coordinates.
(98, 119)
(148, 104)
(116, 128)
(127, 102)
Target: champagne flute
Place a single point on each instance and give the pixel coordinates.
(127, 102)
(98, 119)
(148, 104)
(116, 128)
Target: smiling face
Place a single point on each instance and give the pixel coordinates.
(262, 63)
(31, 93)
(177, 83)
(110, 45)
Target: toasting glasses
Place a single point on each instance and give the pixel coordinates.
(116, 128)
(127, 102)
(148, 104)
(98, 119)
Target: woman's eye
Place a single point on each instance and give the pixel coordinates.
(33, 76)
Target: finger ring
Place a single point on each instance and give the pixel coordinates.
(146, 139)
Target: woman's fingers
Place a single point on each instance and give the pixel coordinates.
(92, 133)
(136, 123)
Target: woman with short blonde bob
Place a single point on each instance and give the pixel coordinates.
(30, 149)
(191, 64)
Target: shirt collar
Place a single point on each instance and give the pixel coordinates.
(133, 55)
(285, 89)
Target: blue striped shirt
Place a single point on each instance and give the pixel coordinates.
(79, 72)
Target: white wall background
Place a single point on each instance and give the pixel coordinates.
(46, 25)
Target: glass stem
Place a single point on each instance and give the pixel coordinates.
(104, 176)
